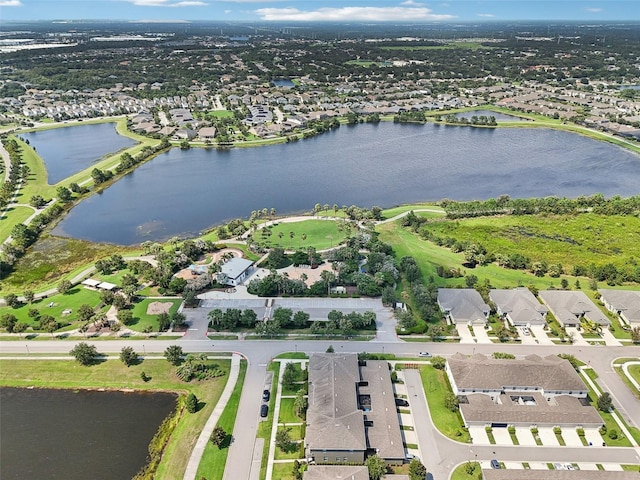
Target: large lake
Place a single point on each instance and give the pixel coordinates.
(77, 435)
(70, 150)
(184, 192)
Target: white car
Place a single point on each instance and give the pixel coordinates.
(425, 354)
(525, 330)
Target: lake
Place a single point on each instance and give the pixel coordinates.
(69, 150)
(69, 435)
(183, 192)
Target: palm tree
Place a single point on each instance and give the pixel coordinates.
(327, 277)
(304, 237)
(291, 235)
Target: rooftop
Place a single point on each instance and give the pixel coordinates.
(235, 267)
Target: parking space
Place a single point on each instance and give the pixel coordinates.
(578, 339)
(409, 437)
(513, 465)
(502, 437)
(612, 467)
(479, 435)
(525, 437)
(538, 466)
(588, 466)
(571, 438)
(481, 334)
(541, 335)
(593, 436)
(547, 436)
(464, 333)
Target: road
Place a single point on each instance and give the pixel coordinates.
(440, 454)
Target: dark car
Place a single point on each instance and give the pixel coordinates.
(401, 402)
(264, 410)
(495, 464)
(266, 395)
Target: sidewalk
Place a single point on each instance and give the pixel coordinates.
(201, 443)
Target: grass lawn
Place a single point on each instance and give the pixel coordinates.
(72, 301)
(320, 234)
(436, 386)
(140, 317)
(283, 471)
(37, 183)
(392, 212)
(291, 455)
(288, 412)
(113, 374)
(214, 459)
(634, 371)
(13, 217)
(460, 473)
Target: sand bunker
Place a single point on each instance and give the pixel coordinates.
(156, 308)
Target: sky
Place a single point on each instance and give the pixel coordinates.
(321, 10)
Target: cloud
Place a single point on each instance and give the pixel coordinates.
(489, 15)
(350, 14)
(10, 3)
(167, 3)
(593, 10)
(412, 3)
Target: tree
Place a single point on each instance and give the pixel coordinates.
(128, 356)
(635, 334)
(218, 436)
(8, 321)
(377, 467)
(289, 375)
(64, 286)
(11, 299)
(438, 362)
(283, 439)
(417, 471)
(605, 403)
(164, 322)
(451, 401)
(191, 403)
(173, 354)
(84, 353)
(29, 296)
(64, 194)
(19, 328)
(300, 404)
(125, 317)
(85, 312)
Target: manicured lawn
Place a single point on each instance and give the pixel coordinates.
(283, 471)
(634, 371)
(626, 380)
(288, 412)
(71, 301)
(392, 212)
(113, 374)
(37, 183)
(436, 386)
(460, 473)
(141, 319)
(214, 459)
(13, 217)
(320, 234)
(292, 455)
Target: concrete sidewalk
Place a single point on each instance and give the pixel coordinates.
(198, 450)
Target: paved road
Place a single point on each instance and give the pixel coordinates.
(446, 453)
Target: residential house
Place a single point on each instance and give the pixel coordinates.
(625, 303)
(570, 307)
(463, 306)
(519, 307)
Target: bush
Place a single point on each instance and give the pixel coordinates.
(191, 403)
(84, 353)
(438, 362)
(128, 356)
(218, 436)
(613, 434)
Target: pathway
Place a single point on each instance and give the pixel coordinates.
(203, 439)
(625, 369)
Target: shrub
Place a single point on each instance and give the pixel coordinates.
(191, 403)
(613, 434)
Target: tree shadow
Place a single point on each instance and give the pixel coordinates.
(226, 443)
(200, 406)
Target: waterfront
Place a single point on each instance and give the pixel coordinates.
(65, 434)
(183, 192)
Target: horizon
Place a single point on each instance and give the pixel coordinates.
(320, 11)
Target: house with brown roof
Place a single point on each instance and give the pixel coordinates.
(534, 391)
(351, 411)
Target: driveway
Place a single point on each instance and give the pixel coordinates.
(609, 339)
(479, 435)
(464, 333)
(481, 334)
(502, 437)
(571, 437)
(525, 437)
(541, 335)
(593, 436)
(588, 466)
(526, 339)
(578, 339)
(547, 436)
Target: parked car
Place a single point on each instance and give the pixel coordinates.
(525, 330)
(266, 395)
(495, 464)
(425, 354)
(264, 410)
(401, 402)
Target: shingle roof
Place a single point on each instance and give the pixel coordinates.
(558, 475)
(464, 304)
(520, 304)
(336, 472)
(628, 301)
(568, 305)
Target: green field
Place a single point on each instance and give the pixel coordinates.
(114, 374)
(13, 217)
(566, 239)
(320, 234)
(141, 319)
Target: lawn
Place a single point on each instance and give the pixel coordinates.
(392, 212)
(113, 374)
(634, 371)
(436, 386)
(565, 239)
(70, 301)
(13, 217)
(288, 412)
(319, 234)
(141, 319)
(460, 473)
(214, 459)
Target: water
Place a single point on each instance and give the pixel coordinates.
(184, 192)
(500, 117)
(69, 150)
(283, 82)
(67, 435)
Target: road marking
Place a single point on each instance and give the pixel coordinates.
(193, 329)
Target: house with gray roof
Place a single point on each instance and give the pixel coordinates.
(235, 271)
(534, 391)
(351, 411)
(463, 306)
(336, 472)
(570, 307)
(519, 307)
(624, 303)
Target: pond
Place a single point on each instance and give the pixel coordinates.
(183, 192)
(500, 117)
(69, 150)
(283, 82)
(69, 435)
